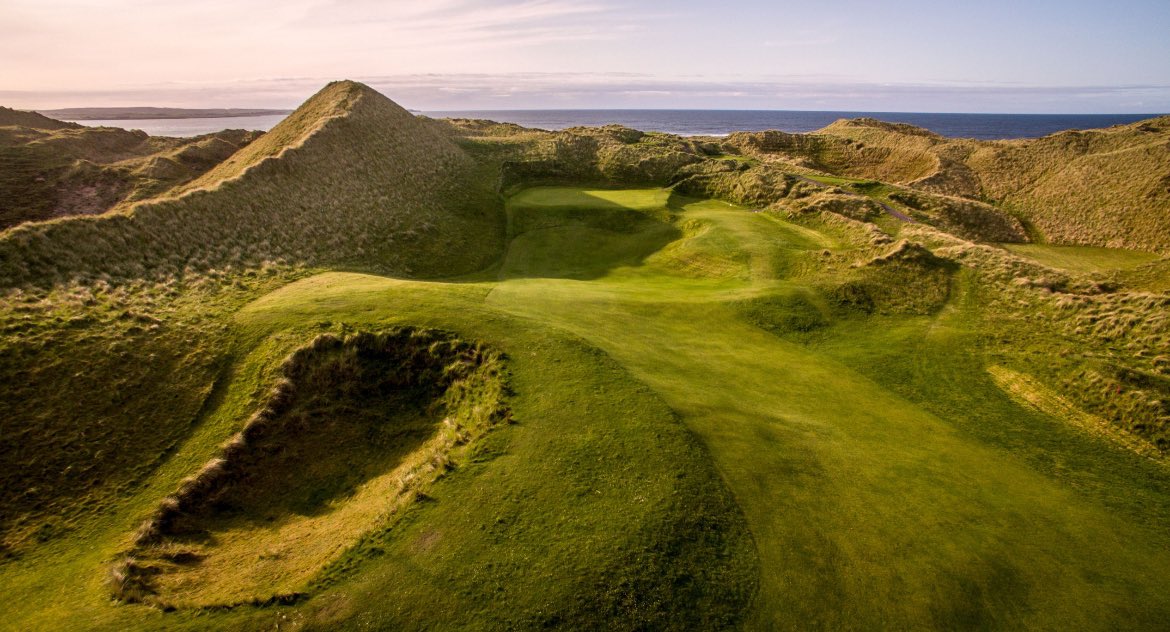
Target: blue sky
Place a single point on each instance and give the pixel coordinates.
(986, 56)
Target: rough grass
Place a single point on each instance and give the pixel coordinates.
(86, 369)
(49, 172)
(1096, 188)
(1033, 393)
(1094, 339)
(848, 148)
(409, 201)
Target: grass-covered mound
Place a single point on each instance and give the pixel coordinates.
(612, 156)
(1095, 187)
(901, 161)
(350, 178)
(53, 169)
(103, 382)
(356, 429)
(34, 120)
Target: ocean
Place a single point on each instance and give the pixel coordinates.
(191, 126)
(700, 122)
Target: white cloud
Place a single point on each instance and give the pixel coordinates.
(456, 54)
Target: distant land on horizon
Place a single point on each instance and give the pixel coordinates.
(681, 122)
(146, 113)
(152, 112)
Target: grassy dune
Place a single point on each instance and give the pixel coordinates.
(144, 296)
(409, 200)
(55, 169)
(1091, 188)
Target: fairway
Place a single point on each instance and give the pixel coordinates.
(678, 367)
(863, 506)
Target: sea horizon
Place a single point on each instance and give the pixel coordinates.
(697, 122)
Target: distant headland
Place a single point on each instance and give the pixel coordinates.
(136, 113)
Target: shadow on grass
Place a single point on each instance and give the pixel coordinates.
(576, 234)
(346, 411)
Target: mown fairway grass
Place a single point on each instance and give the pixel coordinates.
(885, 480)
(864, 506)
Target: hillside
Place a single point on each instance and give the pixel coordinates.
(55, 169)
(301, 193)
(149, 280)
(1095, 187)
(378, 371)
(33, 120)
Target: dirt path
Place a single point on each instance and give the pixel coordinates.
(886, 207)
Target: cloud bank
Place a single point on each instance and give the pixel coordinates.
(487, 91)
(906, 55)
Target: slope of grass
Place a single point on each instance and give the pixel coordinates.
(50, 172)
(409, 201)
(1103, 188)
(884, 478)
(1084, 258)
(1032, 393)
(358, 428)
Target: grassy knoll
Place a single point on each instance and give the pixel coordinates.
(1102, 187)
(52, 169)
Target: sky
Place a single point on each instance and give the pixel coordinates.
(1072, 56)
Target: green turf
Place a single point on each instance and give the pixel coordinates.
(841, 181)
(692, 383)
(1083, 258)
